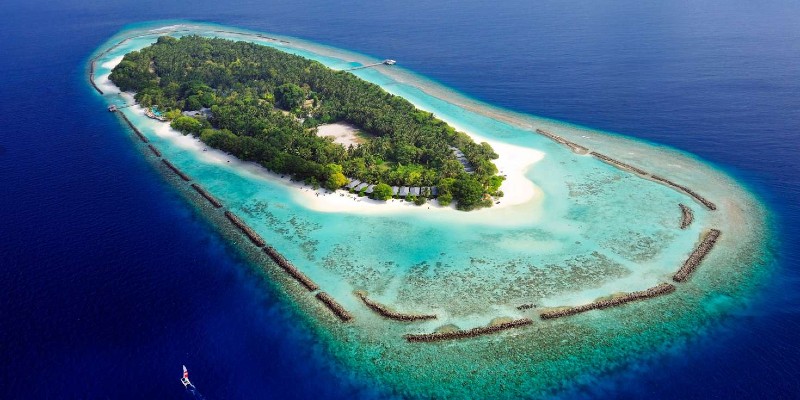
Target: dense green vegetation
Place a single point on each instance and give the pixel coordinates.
(266, 104)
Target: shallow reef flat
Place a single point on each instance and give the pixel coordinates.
(608, 220)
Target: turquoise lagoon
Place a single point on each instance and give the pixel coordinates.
(589, 231)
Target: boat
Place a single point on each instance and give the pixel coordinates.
(185, 379)
(389, 62)
(112, 108)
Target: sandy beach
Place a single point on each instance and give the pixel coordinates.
(513, 163)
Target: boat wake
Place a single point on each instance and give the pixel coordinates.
(189, 386)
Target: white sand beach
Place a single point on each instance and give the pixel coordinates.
(513, 163)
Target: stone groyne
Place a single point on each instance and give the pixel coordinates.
(211, 199)
(91, 76)
(659, 290)
(251, 234)
(176, 170)
(388, 313)
(135, 129)
(708, 204)
(154, 150)
(290, 269)
(698, 254)
(463, 334)
(335, 307)
(629, 168)
(687, 216)
(619, 164)
(572, 145)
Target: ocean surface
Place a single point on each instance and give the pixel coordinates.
(111, 280)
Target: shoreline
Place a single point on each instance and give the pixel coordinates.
(513, 163)
(322, 325)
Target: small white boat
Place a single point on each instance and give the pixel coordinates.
(185, 379)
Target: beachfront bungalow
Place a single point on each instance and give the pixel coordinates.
(369, 189)
(353, 183)
(434, 191)
(395, 190)
(403, 191)
(204, 112)
(361, 186)
(414, 191)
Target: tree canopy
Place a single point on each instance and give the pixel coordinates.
(266, 104)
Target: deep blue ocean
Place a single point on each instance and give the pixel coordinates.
(109, 280)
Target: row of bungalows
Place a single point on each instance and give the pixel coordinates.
(463, 160)
(400, 191)
(405, 191)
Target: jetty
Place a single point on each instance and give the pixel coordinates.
(134, 128)
(176, 170)
(386, 312)
(615, 301)
(154, 150)
(290, 268)
(619, 164)
(335, 307)
(463, 334)
(698, 254)
(687, 216)
(384, 62)
(576, 148)
(251, 234)
(91, 75)
(708, 204)
(211, 199)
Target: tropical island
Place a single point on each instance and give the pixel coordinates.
(618, 241)
(265, 105)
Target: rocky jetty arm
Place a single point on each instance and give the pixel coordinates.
(391, 314)
(290, 269)
(135, 129)
(698, 254)
(211, 199)
(335, 307)
(629, 168)
(687, 216)
(251, 234)
(463, 334)
(708, 204)
(572, 145)
(92, 66)
(176, 170)
(154, 150)
(619, 164)
(659, 290)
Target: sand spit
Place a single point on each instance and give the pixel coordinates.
(176, 170)
(257, 240)
(290, 269)
(335, 307)
(463, 334)
(698, 254)
(659, 290)
(391, 314)
(154, 150)
(630, 168)
(211, 199)
(687, 216)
